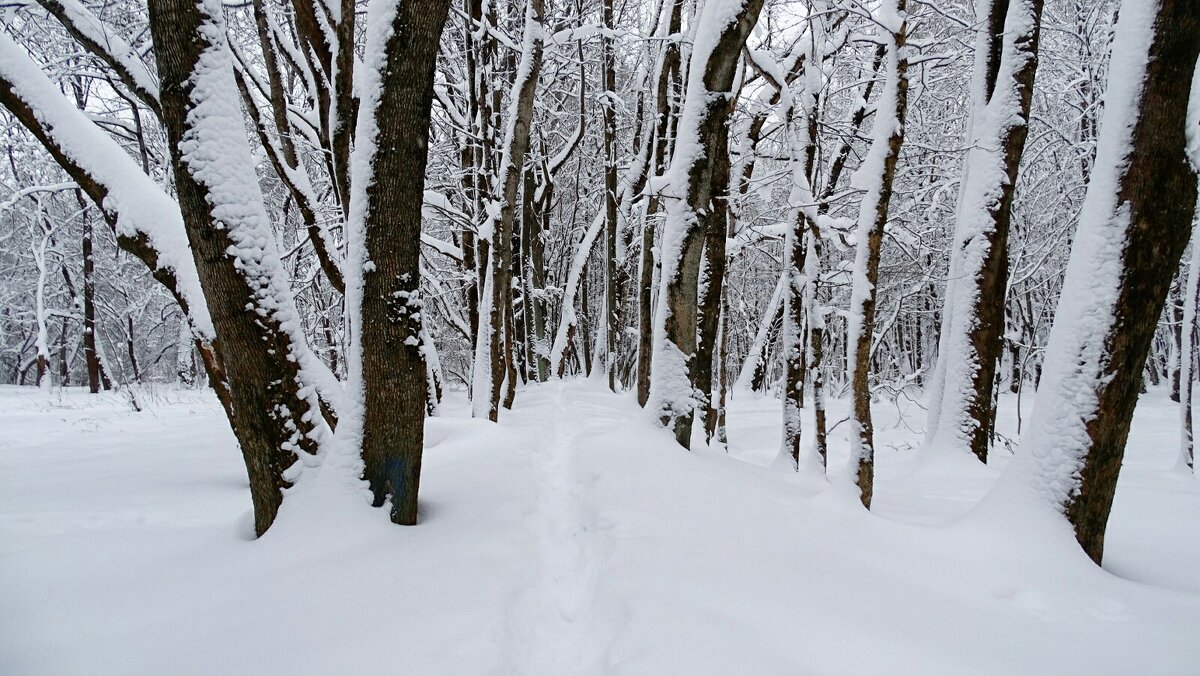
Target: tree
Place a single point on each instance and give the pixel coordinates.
(1135, 225)
(876, 177)
(385, 232)
(698, 179)
(249, 297)
(494, 349)
(962, 404)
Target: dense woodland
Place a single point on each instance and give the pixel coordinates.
(331, 213)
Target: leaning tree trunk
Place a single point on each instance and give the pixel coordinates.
(973, 318)
(877, 174)
(698, 177)
(1133, 229)
(275, 416)
(385, 229)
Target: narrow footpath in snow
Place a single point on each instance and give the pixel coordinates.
(552, 626)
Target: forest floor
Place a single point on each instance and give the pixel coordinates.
(573, 538)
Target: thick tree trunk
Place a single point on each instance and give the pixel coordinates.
(394, 132)
(700, 178)
(272, 418)
(1134, 227)
(973, 320)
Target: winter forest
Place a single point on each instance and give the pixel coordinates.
(599, 336)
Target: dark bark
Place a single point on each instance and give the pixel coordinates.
(985, 335)
(707, 175)
(667, 79)
(537, 278)
(860, 377)
(816, 337)
(64, 366)
(271, 419)
(90, 356)
(611, 309)
(1157, 191)
(393, 370)
(131, 351)
(795, 352)
(345, 105)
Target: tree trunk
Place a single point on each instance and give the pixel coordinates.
(612, 330)
(1133, 229)
(873, 216)
(668, 74)
(89, 303)
(395, 390)
(699, 176)
(223, 214)
(1191, 302)
(493, 356)
(973, 319)
(130, 349)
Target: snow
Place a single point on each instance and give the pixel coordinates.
(575, 537)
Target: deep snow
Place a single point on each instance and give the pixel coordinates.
(574, 537)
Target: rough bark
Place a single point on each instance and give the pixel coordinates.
(271, 417)
(863, 439)
(393, 369)
(983, 249)
(1158, 190)
(90, 356)
(704, 175)
(668, 77)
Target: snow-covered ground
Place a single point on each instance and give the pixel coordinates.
(572, 538)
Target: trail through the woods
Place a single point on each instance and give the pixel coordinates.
(554, 620)
(574, 537)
